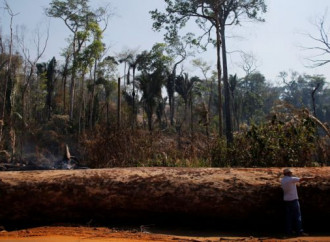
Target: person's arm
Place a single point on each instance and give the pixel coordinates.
(306, 179)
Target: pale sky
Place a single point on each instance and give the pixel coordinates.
(276, 43)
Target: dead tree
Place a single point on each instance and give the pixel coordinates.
(322, 44)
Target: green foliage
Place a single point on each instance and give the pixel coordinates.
(150, 85)
(253, 98)
(209, 15)
(72, 12)
(204, 12)
(82, 21)
(154, 60)
(288, 139)
(178, 13)
(219, 153)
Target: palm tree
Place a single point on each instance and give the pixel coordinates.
(184, 87)
(151, 87)
(133, 61)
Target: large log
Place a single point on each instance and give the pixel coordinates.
(230, 197)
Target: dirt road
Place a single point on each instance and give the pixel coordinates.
(101, 234)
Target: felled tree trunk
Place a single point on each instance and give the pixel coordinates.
(231, 197)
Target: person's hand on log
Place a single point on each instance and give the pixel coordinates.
(304, 179)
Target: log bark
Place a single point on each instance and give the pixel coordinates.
(227, 197)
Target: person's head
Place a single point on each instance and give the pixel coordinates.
(287, 172)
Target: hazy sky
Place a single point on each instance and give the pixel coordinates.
(276, 44)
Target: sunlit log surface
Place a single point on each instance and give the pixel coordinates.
(229, 196)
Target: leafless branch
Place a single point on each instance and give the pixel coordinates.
(106, 16)
(249, 63)
(41, 47)
(322, 44)
(40, 43)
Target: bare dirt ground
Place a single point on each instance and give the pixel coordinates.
(101, 234)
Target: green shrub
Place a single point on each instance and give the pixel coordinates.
(288, 139)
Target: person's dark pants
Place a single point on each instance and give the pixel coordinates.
(293, 217)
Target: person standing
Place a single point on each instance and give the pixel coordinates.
(291, 200)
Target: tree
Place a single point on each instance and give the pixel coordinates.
(322, 44)
(230, 13)
(177, 49)
(153, 65)
(249, 63)
(30, 62)
(83, 23)
(49, 70)
(133, 60)
(12, 63)
(92, 55)
(324, 111)
(184, 87)
(316, 84)
(179, 12)
(205, 68)
(253, 88)
(210, 14)
(234, 82)
(305, 91)
(151, 86)
(65, 73)
(105, 76)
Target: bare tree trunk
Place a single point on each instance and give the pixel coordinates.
(318, 122)
(149, 116)
(134, 105)
(118, 106)
(73, 77)
(219, 76)
(25, 87)
(6, 128)
(171, 91)
(91, 111)
(72, 95)
(171, 88)
(313, 98)
(82, 106)
(191, 114)
(51, 68)
(227, 109)
(209, 110)
(64, 94)
(125, 77)
(64, 81)
(2, 123)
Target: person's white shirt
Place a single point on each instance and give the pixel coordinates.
(289, 187)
